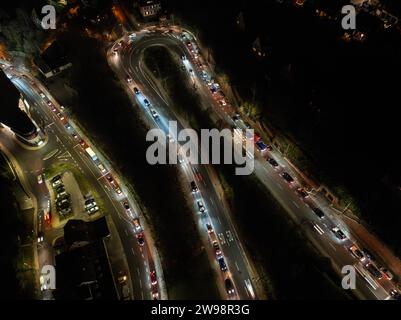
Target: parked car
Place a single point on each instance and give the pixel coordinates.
(136, 223)
(338, 233)
(386, 273)
(302, 193)
(357, 253)
(272, 162)
(140, 239)
(374, 271)
(153, 278)
(216, 248)
(369, 254)
(318, 212)
(261, 145)
(287, 177)
(229, 286)
(194, 188)
(201, 206)
(222, 264)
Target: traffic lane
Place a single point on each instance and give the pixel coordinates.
(229, 252)
(227, 244)
(226, 233)
(328, 223)
(332, 222)
(227, 229)
(111, 204)
(331, 246)
(61, 133)
(295, 202)
(95, 183)
(297, 205)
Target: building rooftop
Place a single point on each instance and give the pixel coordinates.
(10, 114)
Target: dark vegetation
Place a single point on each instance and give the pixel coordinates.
(286, 262)
(336, 101)
(11, 226)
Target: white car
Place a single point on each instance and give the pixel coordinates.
(40, 179)
(101, 168)
(201, 206)
(40, 237)
(154, 113)
(93, 209)
(136, 224)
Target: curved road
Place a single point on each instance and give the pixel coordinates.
(126, 58)
(126, 256)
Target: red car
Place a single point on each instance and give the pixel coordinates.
(153, 278)
(256, 137)
(83, 143)
(110, 179)
(47, 216)
(140, 238)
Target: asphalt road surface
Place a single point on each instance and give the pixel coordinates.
(127, 61)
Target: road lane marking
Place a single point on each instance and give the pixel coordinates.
(295, 204)
(126, 232)
(133, 252)
(236, 264)
(221, 237)
(139, 273)
(331, 245)
(318, 229)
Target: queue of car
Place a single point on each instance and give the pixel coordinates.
(363, 255)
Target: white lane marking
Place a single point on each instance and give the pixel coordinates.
(221, 237)
(139, 273)
(236, 264)
(295, 204)
(318, 229)
(140, 283)
(218, 218)
(133, 253)
(229, 235)
(331, 245)
(126, 232)
(279, 185)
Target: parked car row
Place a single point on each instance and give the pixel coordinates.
(90, 204)
(63, 198)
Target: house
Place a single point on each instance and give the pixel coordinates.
(82, 269)
(52, 60)
(149, 8)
